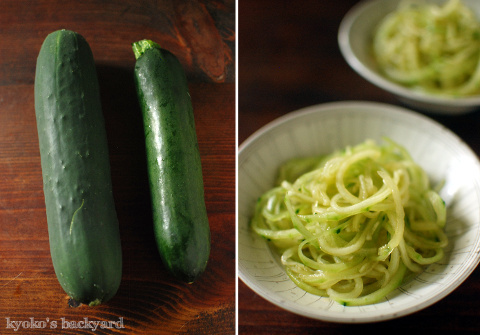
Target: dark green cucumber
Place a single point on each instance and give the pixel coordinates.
(181, 225)
(82, 221)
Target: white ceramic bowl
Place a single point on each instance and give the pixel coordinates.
(355, 40)
(324, 128)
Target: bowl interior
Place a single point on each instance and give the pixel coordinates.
(355, 40)
(324, 128)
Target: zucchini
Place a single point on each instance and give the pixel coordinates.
(180, 220)
(82, 221)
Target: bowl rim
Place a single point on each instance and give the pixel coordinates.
(350, 104)
(377, 79)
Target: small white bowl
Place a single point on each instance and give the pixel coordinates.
(323, 129)
(355, 40)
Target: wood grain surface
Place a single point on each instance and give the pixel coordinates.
(288, 58)
(149, 301)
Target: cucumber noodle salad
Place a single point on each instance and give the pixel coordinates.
(433, 48)
(355, 224)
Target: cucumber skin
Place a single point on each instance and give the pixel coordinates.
(82, 221)
(180, 218)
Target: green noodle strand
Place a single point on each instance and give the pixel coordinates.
(430, 47)
(353, 225)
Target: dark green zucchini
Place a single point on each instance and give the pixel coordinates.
(180, 218)
(82, 221)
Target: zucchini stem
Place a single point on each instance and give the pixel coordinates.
(140, 47)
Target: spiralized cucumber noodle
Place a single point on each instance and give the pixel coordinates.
(432, 48)
(355, 224)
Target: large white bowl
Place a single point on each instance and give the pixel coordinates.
(324, 128)
(355, 41)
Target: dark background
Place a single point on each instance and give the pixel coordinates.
(288, 58)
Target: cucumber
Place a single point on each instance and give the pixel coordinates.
(180, 220)
(83, 227)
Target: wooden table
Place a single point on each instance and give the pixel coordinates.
(288, 59)
(202, 35)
